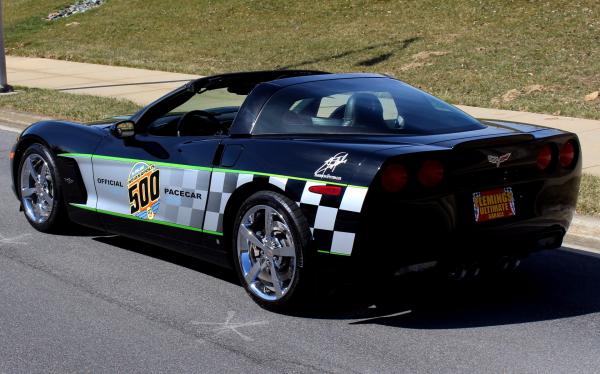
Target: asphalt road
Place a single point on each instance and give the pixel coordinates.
(87, 302)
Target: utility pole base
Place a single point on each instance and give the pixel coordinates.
(6, 89)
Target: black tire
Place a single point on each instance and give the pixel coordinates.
(57, 219)
(303, 280)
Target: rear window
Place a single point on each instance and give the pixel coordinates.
(360, 106)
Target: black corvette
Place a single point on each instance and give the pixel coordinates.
(286, 175)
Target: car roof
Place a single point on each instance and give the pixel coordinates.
(289, 81)
(279, 78)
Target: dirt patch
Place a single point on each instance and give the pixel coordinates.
(592, 96)
(425, 55)
(514, 93)
(422, 59)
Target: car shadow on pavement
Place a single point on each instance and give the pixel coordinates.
(73, 229)
(549, 285)
(169, 256)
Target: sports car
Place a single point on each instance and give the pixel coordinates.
(300, 178)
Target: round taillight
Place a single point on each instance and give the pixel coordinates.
(431, 173)
(567, 154)
(544, 158)
(394, 177)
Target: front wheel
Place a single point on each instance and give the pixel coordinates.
(39, 189)
(269, 239)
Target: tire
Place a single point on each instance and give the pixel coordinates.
(283, 251)
(39, 189)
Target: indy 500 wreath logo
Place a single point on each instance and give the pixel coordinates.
(144, 190)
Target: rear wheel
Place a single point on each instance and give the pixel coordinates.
(269, 240)
(39, 189)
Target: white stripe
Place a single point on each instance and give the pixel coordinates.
(310, 197)
(342, 242)
(279, 182)
(353, 199)
(11, 129)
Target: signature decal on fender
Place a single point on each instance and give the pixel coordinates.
(144, 191)
(330, 165)
(497, 160)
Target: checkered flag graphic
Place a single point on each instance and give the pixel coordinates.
(333, 220)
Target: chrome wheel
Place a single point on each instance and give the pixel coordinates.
(266, 253)
(37, 188)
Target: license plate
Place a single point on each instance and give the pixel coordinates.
(493, 204)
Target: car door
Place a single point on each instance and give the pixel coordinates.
(155, 187)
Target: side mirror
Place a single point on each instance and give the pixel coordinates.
(124, 129)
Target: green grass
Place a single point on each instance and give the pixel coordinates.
(65, 106)
(466, 51)
(589, 196)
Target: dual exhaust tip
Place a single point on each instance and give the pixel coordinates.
(464, 271)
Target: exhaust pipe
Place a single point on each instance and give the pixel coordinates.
(458, 272)
(507, 264)
(515, 263)
(474, 270)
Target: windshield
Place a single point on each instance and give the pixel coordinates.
(360, 106)
(212, 99)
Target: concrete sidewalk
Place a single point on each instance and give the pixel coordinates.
(144, 86)
(138, 85)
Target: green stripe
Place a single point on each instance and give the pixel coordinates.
(334, 253)
(192, 167)
(164, 223)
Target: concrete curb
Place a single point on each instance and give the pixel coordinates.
(19, 120)
(584, 230)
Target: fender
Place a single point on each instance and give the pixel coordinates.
(62, 137)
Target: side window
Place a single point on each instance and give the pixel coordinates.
(206, 113)
(330, 103)
(358, 106)
(390, 111)
(210, 101)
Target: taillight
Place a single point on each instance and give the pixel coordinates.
(431, 173)
(544, 158)
(567, 154)
(326, 190)
(394, 177)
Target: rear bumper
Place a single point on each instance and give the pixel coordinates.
(397, 234)
(403, 254)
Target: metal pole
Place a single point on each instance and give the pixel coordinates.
(4, 86)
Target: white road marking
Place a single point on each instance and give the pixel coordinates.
(13, 240)
(11, 129)
(228, 326)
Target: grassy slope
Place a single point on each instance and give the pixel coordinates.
(66, 106)
(487, 47)
(589, 196)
